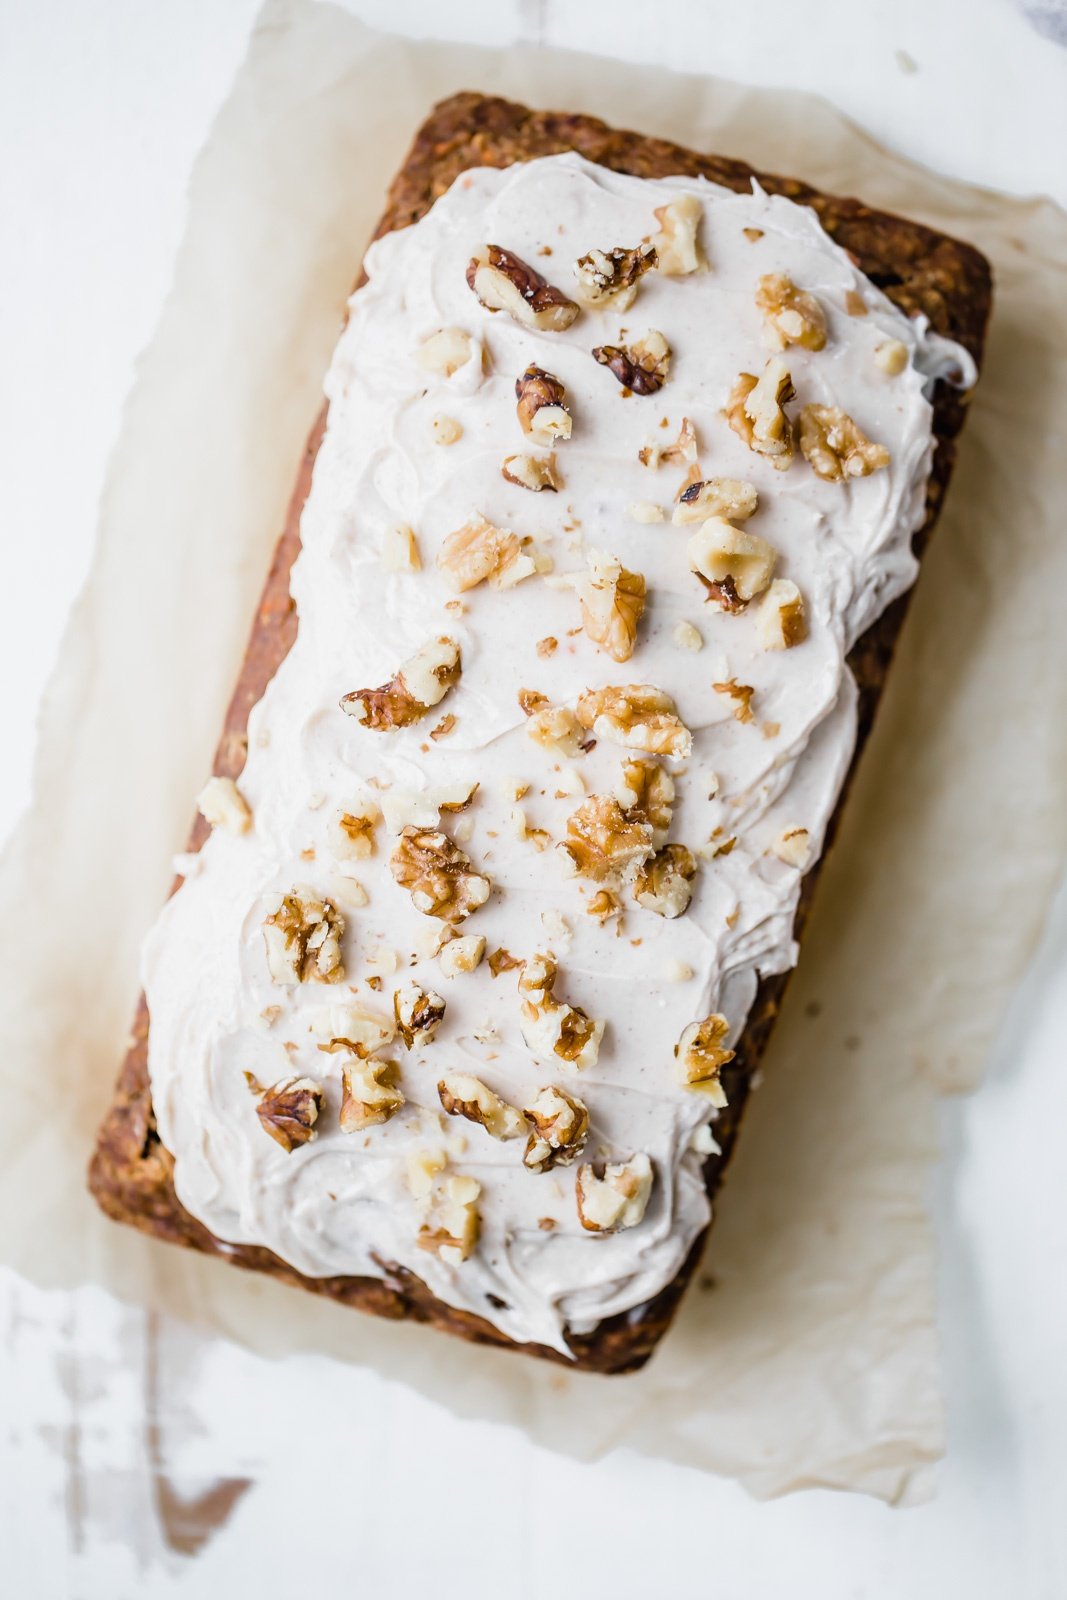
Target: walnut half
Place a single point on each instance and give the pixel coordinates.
(836, 447)
(551, 1028)
(602, 841)
(421, 683)
(438, 875)
(303, 939)
(289, 1110)
(614, 1195)
(700, 1056)
(503, 282)
(559, 1125)
(637, 716)
(642, 366)
(462, 1095)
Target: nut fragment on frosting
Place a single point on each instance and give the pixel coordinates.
(400, 549)
(734, 565)
(221, 803)
(641, 366)
(637, 716)
(356, 1027)
(479, 551)
(613, 1195)
(303, 939)
(535, 473)
(419, 1013)
(612, 601)
(731, 498)
(664, 883)
(891, 357)
(438, 875)
(741, 696)
(541, 406)
(350, 834)
(462, 1095)
(551, 1028)
(552, 727)
(602, 841)
(445, 430)
(645, 792)
(677, 244)
(793, 846)
(700, 1056)
(461, 955)
(610, 277)
(289, 1110)
(755, 411)
(835, 446)
(445, 351)
(559, 1124)
(790, 315)
(780, 619)
(502, 282)
(420, 683)
(453, 1224)
(370, 1094)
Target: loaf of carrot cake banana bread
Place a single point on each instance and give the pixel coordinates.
(587, 594)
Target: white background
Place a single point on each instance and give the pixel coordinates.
(115, 1430)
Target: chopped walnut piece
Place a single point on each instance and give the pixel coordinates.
(461, 955)
(548, 645)
(443, 728)
(645, 792)
(370, 1094)
(419, 1013)
(610, 277)
(303, 939)
(445, 430)
(438, 875)
(479, 551)
(423, 680)
(731, 498)
(452, 1227)
(462, 1095)
(664, 883)
(700, 1056)
(552, 1029)
(603, 905)
(683, 452)
(755, 411)
(612, 601)
(542, 406)
(780, 619)
(855, 304)
(734, 564)
(613, 1195)
(350, 834)
(552, 727)
(422, 808)
(502, 282)
(753, 235)
(502, 960)
(289, 1109)
(794, 847)
(891, 357)
(560, 1126)
(535, 473)
(637, 716)
(355, 1027)
(686, 637)
(602, 841)
(790, 315)
(676, 243)
(835, 447)
(400, 549)
(741, 695)
(445, 351)
(641, 366)
(221, 803)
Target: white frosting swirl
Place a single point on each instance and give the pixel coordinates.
(340, 1204)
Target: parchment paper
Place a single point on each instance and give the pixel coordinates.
(812, 1358)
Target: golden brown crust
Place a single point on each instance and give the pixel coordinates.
(921, 270)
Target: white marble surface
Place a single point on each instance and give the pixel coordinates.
(136, 1459)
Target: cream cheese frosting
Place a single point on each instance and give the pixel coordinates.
(411, 448)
